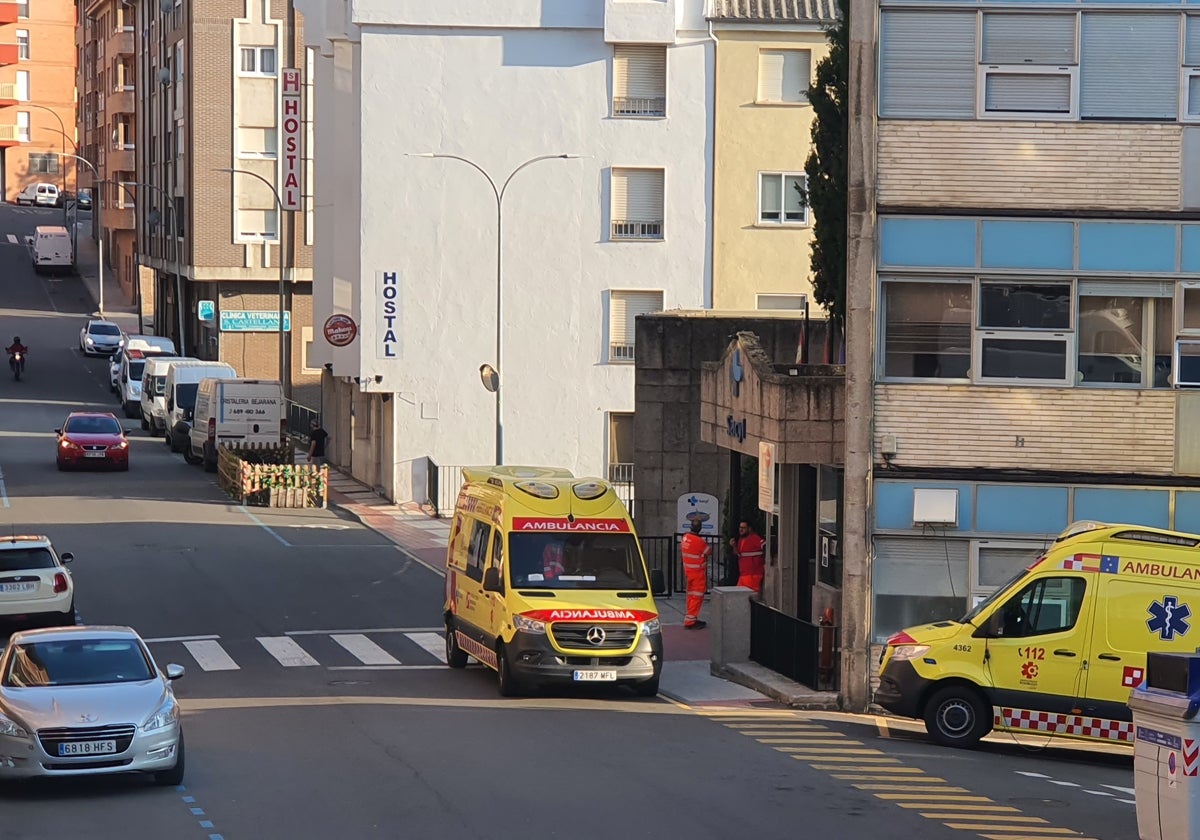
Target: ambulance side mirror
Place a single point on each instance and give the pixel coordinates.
(491, 581)
(992, 627)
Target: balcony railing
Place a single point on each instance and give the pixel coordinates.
(639, 106)
(8, 92)
(620, 473)
(620, 353)
(9, 12)
(13, 134)
(636, 230)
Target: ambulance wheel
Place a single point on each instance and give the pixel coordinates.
(456, 657)
(509, 685)
(956, 716)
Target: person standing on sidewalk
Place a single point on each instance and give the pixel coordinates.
(316, 443)
(751, 554)
(695, 551)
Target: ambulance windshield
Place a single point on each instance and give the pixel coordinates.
(575, 561)
(999, 593)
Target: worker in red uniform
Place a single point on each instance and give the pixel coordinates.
(695, 550)
(552, 561)
(751, 553)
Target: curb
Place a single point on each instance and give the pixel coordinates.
(793, 695)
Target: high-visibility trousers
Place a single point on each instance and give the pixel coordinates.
(754, 582)
(697, 583)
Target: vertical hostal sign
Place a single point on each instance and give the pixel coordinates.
(293, 127)
(387, 343)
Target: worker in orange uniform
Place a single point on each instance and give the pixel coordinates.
(695, 550)
(751, 553)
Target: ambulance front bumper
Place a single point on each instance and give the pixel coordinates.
(534, 659)
(901, 689)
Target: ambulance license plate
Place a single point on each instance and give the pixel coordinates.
(595, 676)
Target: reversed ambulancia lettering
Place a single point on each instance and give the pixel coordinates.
(1161, 570)
(590, 615)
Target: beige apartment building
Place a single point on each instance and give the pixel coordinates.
(107, 102)
(208, 98)
(37, 94)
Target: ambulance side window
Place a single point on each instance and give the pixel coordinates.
(1046, 605)
(498, 553)
(477, 552)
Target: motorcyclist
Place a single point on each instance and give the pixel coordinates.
(14, 348)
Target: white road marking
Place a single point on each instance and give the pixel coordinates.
(12, 239)
(289, 654)
(432, 643)
(265, 527)
(1129, 791)
(1097, 792)
(364, 650)
(210, 656)
(369, 630)
(385, 667)
(180, 639)
(1063, 784)
(1031, 774)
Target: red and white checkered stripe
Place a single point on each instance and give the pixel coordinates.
(1077, 725)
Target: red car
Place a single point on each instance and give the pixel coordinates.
(92, 438)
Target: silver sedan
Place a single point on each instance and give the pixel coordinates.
(85, 700)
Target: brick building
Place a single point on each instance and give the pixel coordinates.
(37, 94)
(208, 99)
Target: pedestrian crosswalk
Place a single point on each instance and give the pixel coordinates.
(389, 648)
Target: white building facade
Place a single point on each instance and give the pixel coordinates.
(406, 245)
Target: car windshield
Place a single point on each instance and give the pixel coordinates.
(104, 329)
(970, 617)
(21, 559)
(136, 369)
(576, 561)
(77, 662)
(185, 395)
(92, 426)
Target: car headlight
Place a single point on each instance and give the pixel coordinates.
(88, 340)
(65, 444)
(904, 653)
(529, 625)
(167, 714)
(122, 445)
(11, 728)
(651, 627)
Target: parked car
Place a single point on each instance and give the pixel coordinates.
(87, 700)
(50, 250)
(36, 589)
(41, 194)
(88, 438)
(83, 201)
(101, 337)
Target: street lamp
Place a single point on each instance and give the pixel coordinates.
(283, 381)
(488, 374)
(173, 228)
(95, 218)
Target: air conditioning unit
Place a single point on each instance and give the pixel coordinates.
(935, 506)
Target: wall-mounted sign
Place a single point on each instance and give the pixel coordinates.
(736, 428)
(340, 330)
(700, 507)
(293, 134)
(766, 476)
(737, 373)
(387, 343)
(206, 310)
(248, 320)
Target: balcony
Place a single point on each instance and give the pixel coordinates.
(120, 42)
(8, 94)
(10, 135)
(118, 218)
(8, 12)
(119, 102)
(120, 159)
(9, 54)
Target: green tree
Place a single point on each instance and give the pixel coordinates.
(826, 168)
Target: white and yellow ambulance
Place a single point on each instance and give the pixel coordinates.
(546, 583)
(1057, 649)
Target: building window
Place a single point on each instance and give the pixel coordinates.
(927, 329)
(1028, 66)
(257, 143)
(22, 8)
(637, 204)
(783, 76)
(258, 61)
(639, 81)
(620, 448)
(127, 17)
(122, 132)
(43, 164)
(623, 309)
(125, 194)
(180, 139)
(1112, 347)
(257, 225)
(782, 198)
(781, 302)
(1025, 332)
(307, 347)
(22, 86)
(180, 215)
(23, 126)
(23, 44)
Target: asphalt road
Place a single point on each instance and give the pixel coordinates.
(316, 704)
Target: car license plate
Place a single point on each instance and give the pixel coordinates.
(93, 454)
(18, 587)
(595, 676)
(88, 748)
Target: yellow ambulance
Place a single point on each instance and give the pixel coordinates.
(1057, 649)
(546, 583)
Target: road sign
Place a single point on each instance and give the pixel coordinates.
(206, 310)
(250, 320)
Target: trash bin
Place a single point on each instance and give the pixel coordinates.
(1166, 757)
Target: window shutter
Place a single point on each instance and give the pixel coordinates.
(770, 76)
(796, 74)
(637, 195)
(1127, 288)
(1028, 39)
(624, 307)
(639, 72)
(1027, 93)
(1129, 66)
(927, 64)
(921, 567)
(770, 201)
(1191, 44)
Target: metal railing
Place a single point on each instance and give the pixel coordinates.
(620, 473)
(663, 553)
(622, 229)
(298, 418)
(620, 353)
(790, 646)
(639, 106)
(444, 484)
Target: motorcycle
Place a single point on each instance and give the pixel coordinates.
(17, 363)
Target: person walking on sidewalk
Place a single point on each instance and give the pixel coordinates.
(695, 551)
(316, 443)
(751, 554)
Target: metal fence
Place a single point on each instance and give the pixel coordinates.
(663, 553)
(792, 647)
(298, 418)
(444, 484)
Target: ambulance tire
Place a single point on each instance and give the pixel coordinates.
(956, 716)
(456, 657)
(508, 683)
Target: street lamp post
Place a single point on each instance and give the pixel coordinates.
(172, 227)
(491, 375)
(95, 218)
(283, 380)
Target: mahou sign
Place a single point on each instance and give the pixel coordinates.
(293, 130)
(340, 330)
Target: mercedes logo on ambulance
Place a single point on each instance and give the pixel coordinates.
(596, 635)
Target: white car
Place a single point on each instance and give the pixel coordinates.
(78, 701)
(43, 195)
(114, 370)
(101, 337)
(35, 587)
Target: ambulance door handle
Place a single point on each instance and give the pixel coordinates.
(1110, 657)
(1061, 652)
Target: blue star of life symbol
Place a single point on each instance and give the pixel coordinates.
(693, 501)
(736, 371)
(1168, 618)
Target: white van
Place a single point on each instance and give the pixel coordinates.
(50, 249)
(43, 195)
(132, 366)
(234, 411)
(154, 389)
(150, 343)
(183, 380)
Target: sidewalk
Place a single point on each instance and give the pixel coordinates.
(687, 673)
(87, 263)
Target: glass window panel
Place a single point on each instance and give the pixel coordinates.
(771, 201)
(998, 565)
(1191, 309)
(1039, 306)
(1111, 346)
(793, 198)
(1049, 605)
(1164, 340)
(1019, 358)
(248, 62)
(927, 330)
(266, 59)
